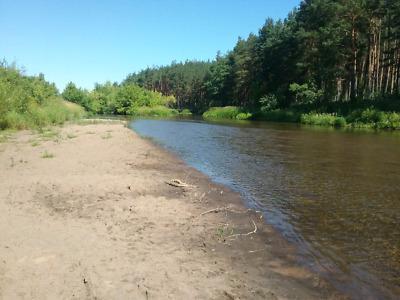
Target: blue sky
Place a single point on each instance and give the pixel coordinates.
(88, 41)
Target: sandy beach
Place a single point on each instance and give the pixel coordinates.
(92, 211)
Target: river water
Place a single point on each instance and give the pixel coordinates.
(334, 194)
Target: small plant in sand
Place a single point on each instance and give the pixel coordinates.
(3, 138)
(35, 144)
(224, 231)
(5, 135)
(71, 136)
(47, 155)
(106, 136)
(49, 134)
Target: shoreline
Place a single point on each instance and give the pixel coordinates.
(95, 218)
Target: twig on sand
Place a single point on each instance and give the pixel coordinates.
(215, 210)
(225, 208)
(259, 250)
(177, 183)
(245, 234)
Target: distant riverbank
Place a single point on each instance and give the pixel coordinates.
(357, 118)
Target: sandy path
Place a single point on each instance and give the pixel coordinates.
(85, 214)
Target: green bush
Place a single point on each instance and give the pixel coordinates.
(227, 112)
(268, 102)
(185, 112)
(243, 116)
(323, 119)
(14, 120)
(374, 118)
(156, 111)
(127, 99)
(305, 94)
(31, 102)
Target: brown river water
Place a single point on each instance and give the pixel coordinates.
(334, 194)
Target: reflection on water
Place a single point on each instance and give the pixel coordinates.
(335, 194)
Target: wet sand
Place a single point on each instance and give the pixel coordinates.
(86, 213)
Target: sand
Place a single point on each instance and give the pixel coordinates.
(86, 213)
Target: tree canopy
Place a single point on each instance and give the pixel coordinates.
(324, 54)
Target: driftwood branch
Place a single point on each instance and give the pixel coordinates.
(177, 183)
(226, 208)
(259, 250)
(215, 210)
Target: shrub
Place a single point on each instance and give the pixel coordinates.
(227, 112)
(323, 119)
(14, 120)
(185, 112)
(305, 94)
(156, 111)
(374, 118)
(268, 102)
(243, 116)
(31, 102)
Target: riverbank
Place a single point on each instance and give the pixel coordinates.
(86, 213)
(371, 118)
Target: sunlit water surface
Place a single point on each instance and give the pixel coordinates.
(335, 194)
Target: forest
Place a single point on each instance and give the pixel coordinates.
(328, 57)
(330, 62)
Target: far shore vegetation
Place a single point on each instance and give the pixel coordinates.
(340, 70)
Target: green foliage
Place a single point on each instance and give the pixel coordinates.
(305, 94)
(155, 111)
(326, 56)
(185, 112)
(227, 112)
(47, 155)
(323, 119)
(268, 102)
(318, 59)
(243, 116)
(182, 80)
(76, 95)
(30, 101)
(127, 99)
(131, 98)
(374, 118)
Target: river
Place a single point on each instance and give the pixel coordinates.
(335, 194)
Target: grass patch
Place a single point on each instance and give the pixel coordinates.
(5, 135)
(373, 118)
(223, 231)
(71, 136)
(323, 119)
(185, 112)
(54, 112)
(227, 112)
(48, 134)
(360, 118)
(106, 136)
(47, 155)
(155, 111)
(35, 144)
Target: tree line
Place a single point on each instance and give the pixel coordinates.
(327, 55)
(113, 98)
